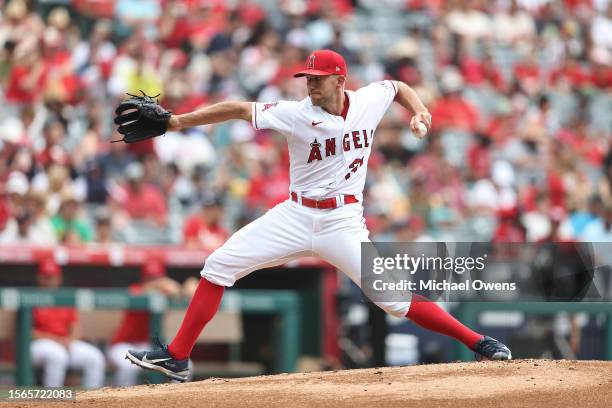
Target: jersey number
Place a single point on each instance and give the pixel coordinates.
(354, 166)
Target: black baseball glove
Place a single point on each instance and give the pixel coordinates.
(140, 118)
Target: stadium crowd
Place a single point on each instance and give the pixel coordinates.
(519, 92)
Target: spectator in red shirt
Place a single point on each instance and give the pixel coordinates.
(572, 73)
(95, 8)
(479, 157)
(528, 74)
(54, 132)
(509, 226)
(134, 329)
(175, 27)
(451, 110)
(28, 75)
(141, 200)
(583, 144)
(601, 69)
(204, 230)
(55, 346)
(482, 72)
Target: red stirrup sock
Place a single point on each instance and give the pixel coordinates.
(202, 308)
(430, 316)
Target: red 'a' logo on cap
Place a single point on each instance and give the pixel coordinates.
(310, 64)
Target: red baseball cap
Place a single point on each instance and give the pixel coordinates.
(324, 62)
(153, 268)
(48, 267)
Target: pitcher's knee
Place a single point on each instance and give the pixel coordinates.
(397, 309)
(217, 272)
(217, 278)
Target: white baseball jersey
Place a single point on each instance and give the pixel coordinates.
(328, 157)
(328, 154)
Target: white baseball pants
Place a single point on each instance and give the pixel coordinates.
(290, 231)
(56, 359)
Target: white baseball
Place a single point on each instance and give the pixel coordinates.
(421, 130)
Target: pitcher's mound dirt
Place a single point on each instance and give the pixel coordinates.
(519, 383)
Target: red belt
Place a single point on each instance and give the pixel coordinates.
(327, 203)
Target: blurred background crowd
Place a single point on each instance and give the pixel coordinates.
(519, 91)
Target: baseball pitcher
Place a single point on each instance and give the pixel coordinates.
(330, 135)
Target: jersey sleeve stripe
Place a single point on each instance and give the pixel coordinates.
(394, 87)
(254, 114)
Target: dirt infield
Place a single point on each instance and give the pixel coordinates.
(520, 383)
